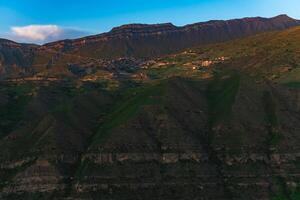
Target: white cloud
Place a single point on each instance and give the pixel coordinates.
(43, 33)
(36, 32)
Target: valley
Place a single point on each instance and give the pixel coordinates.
(218, 120)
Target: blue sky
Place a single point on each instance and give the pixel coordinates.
(42, 21)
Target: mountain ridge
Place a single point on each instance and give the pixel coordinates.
(283, 18)
(140, 40)
(171, 26)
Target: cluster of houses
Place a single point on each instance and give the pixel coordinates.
(196, 65)
(207, 63)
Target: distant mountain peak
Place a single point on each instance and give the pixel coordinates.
(284, 17)
(143, 27)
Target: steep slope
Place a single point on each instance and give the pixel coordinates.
(225, 138)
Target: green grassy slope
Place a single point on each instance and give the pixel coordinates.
(272, 55)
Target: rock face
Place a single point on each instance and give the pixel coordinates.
(15, 57)
(142, 40)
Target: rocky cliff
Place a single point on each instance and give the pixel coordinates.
(15, 57)
(142, 40)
